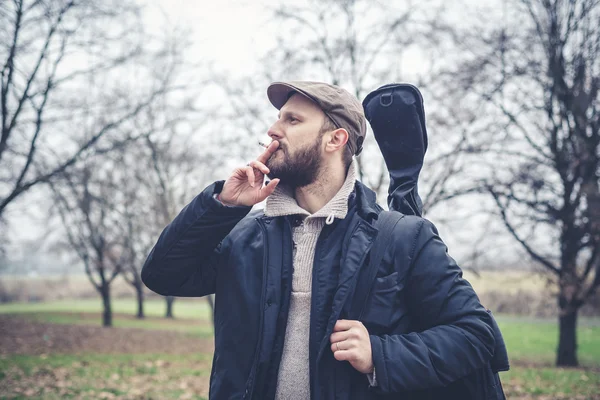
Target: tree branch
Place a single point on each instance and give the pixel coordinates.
(39, 120)
(513, 232)
(10, 64)
(37, 66)
(76, 156)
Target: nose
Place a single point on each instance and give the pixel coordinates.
(274, 132)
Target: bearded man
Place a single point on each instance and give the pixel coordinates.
(285, 276)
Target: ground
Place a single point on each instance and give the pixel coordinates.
(24, 336)
(52, 361)
(49, 352)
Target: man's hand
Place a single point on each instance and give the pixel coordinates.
(245, 185)
(350, 342)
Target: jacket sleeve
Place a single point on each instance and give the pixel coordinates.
(454, 333)
(184, 260)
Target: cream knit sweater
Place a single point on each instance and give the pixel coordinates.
(294, 381)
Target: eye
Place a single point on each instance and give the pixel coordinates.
(292, 119)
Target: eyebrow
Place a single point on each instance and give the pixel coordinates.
(290, 113)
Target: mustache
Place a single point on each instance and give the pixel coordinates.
(263, 144)
(281, 147)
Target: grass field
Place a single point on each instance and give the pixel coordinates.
(167, 371)
(183, 308)
(86, 312)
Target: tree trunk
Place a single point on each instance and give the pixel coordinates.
(170, 300)
(107, 308)
(567, 342)
(139, 289)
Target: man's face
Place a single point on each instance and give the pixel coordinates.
(297, 161)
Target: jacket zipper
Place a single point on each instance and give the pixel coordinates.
(251, 381)
(274, 364)
(328, 332)
(311, 339)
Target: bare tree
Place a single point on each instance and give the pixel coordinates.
(537, 78)
(175, 174)
(126, 196)
(135, 250)
(154, 176)
(78, 80)
(83, 203)
(94, 197)
(131, 231)
(57, 64)
(160, 174)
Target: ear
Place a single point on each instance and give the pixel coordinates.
(336, 140)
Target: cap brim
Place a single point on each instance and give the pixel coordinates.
(279, 93)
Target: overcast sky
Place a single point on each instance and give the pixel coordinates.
(232, 33)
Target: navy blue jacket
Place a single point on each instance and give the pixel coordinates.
(426, 324)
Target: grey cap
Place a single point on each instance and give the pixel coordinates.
(342, 108)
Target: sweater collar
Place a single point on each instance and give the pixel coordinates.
(282, 201)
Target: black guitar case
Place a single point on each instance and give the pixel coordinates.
(397, 116)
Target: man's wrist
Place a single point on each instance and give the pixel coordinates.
(217, 196)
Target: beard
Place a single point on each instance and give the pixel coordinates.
(298, 169)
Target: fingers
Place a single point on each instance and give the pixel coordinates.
(268, 189)
(345, 355)
(350, 355)
(344, 345)
(346, 332)
(345, 324)
(250, 174)
(249, 170)
(340, 336)
(268, 152)
(259, 166)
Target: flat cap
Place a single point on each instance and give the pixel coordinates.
(342, 108)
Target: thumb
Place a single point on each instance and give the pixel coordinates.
(268, 189)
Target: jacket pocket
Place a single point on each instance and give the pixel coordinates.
(382, 309)
(386, 283)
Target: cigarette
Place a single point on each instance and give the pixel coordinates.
(263, 145)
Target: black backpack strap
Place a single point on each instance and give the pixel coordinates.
(385, 225)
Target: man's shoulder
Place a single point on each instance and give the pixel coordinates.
(405, 220)
(411, 228)
(249, 221)
(249, 224)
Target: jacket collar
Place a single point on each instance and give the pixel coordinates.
(366, 200)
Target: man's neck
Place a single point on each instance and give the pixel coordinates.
(316, 195)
